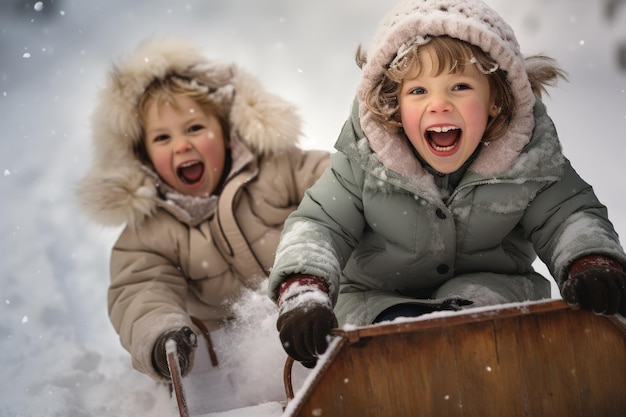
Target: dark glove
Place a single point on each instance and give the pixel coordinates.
(597, 284)
(304, 323)
(186, 341)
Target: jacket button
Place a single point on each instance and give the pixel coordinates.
(440, 214)
(443, 269)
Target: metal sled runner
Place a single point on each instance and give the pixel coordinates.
(538, 359)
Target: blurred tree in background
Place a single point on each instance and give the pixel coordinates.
(611, 9)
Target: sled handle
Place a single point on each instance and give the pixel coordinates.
(177, 383)
(287, 378)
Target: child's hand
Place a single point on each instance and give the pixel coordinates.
(305, 320)
(186, 341)
(597, 284)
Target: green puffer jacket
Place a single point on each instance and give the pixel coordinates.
(380, 239)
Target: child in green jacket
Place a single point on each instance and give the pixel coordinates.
(448, 182)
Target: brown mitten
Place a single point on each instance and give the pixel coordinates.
(186, 341)
(598, 284)
(305, 319)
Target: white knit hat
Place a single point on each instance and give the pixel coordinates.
(471, 21)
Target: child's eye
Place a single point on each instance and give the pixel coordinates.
(417, 90)
(460, 87)
(160, 138)
(195, 128)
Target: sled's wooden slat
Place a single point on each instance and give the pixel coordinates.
(601, 379)
(544, 359)
(480, 374)
(548, 358)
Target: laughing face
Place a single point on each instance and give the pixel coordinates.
(186, 146)
(445, 115)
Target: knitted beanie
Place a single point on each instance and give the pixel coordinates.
(471, 21)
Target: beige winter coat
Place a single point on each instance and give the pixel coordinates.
(178, 257)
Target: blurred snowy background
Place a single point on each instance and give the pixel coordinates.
(59, 356)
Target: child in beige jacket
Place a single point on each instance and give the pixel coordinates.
(201, 165)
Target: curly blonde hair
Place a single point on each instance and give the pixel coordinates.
(451, 56)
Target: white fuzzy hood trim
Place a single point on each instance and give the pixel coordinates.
(116, 190)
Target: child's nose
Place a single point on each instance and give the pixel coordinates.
(182, 145)
(439, 103)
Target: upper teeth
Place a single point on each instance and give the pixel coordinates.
(444, 129)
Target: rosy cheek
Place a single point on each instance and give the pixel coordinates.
(478, 110)
(161, 163)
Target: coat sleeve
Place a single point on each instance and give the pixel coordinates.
(147, 293)
(320, 235)
(306, 168)
(566, 221)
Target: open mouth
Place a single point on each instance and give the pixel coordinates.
(190, 172)
(443, 138)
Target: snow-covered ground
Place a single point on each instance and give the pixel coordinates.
(59, 354)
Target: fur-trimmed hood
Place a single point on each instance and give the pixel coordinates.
(117, 190)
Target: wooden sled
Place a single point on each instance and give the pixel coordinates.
(537, 359)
